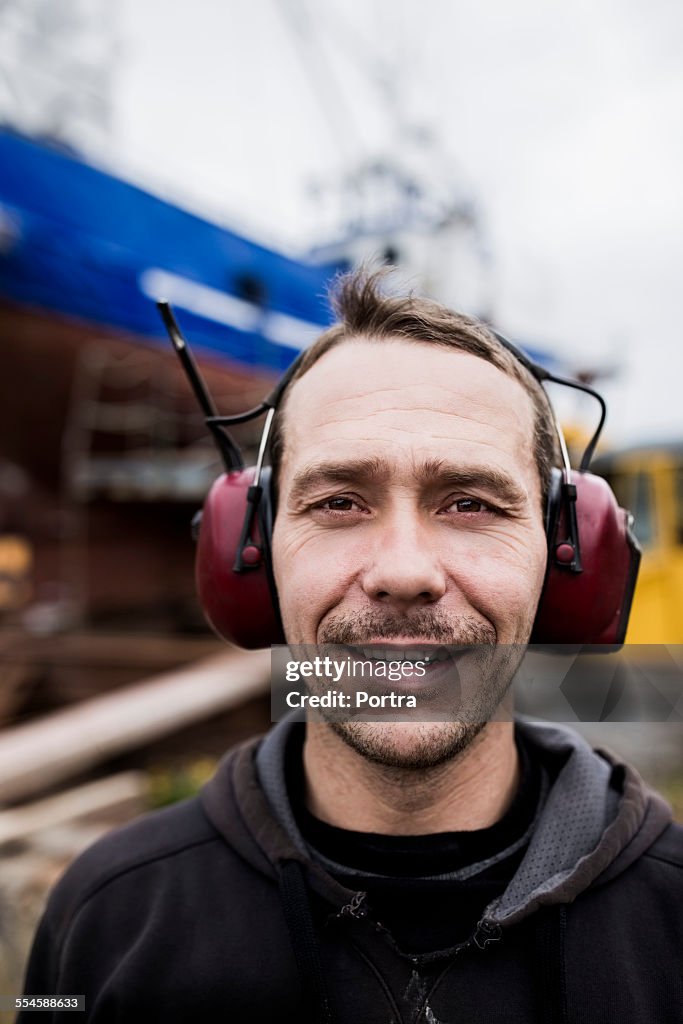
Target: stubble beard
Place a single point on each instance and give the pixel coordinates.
(423, 745)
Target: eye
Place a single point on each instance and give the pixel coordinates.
(340, 504)
(471, 506)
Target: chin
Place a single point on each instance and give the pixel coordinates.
(413, 746)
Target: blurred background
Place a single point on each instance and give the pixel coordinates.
(522, 163)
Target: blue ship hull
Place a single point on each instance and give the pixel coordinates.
(77, 241)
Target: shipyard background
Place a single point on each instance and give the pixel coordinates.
(521, 163)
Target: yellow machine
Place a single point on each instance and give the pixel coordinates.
(648, 480)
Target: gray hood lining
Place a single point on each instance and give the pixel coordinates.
(580, 830)
(579, 808)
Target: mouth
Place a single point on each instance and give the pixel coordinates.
(426, 672)
(407, 666)
(409, 650)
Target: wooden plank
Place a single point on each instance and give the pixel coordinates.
(108, 649)
(102, 796)
(42, 753)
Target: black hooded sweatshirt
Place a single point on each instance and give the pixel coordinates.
(217, 909)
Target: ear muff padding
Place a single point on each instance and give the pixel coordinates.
(241, 607)
(592, 606)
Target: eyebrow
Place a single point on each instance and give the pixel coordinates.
(430, 474)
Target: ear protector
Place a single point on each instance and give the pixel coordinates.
(593, 556)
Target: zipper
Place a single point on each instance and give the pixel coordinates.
(355, 908)
(486, 933)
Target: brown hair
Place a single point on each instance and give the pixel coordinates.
(363, 310)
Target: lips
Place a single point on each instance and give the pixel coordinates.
(428, 653)
(436, 665)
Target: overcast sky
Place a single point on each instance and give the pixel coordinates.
(564, 121)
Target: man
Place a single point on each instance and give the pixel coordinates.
(373, 872)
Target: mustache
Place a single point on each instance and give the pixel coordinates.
(421, 625)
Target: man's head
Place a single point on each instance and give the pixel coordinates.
(412, 455)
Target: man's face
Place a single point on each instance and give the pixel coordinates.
(409, 511)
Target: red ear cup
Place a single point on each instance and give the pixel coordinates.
(240, 606)
(591, 606)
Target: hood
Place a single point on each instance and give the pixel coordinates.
(595, 818)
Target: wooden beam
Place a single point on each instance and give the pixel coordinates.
(123, 790)
(39, 754)
(108, 649)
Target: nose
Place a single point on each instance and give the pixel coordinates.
(403, 567)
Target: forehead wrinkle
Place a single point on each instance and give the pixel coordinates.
(453, 387)
(450, 438)
(486, 371)
(453, 395)
(326, 416)
(472, 400)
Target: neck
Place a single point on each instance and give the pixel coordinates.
(471, 791)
